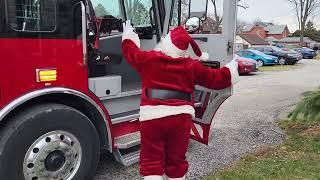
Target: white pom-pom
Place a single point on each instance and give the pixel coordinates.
(204, 56)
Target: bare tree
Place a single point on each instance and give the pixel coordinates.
(244, 6)
(218, 18)
(304, 9)
(240, 26)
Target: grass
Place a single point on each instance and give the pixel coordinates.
(297, 158)
(308, 110)
(279, 67)
(318, 57)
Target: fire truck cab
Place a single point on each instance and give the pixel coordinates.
(67, 93)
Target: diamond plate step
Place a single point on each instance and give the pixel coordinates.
(128, 141)
(127, 159)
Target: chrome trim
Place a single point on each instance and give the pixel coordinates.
(109, 37)
(69, 146)
(127, 159)
(168, 9)
(22, 99)
(84, 33)
(131, 118)
(128, 141)
(217, 97)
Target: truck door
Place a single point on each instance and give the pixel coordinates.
(216, 39)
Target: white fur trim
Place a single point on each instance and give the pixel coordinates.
(233, 67)
(168, 48)
(153, 177)
(131, 36)
(204, 56)
(160, 111)
(183, 178)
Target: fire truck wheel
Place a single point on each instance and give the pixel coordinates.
(49, 141)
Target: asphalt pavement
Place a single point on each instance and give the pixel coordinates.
(243, 123)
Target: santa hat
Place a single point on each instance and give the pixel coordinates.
(178, 41)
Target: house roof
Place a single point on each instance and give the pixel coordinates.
(248, 27)
(269, 27)
(275, 29)
(253, 39)
(294, 40)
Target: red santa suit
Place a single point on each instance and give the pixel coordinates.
(166, 109)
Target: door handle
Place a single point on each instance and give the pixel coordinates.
(204, 39)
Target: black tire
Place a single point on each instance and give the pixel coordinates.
(20, 132)
(282, 61)
(261, 61)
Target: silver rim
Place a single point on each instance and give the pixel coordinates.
(54, 155)
(260, 63)
(282, 61)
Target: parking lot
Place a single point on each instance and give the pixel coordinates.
(243, 123)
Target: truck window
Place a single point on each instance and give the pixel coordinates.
(110, 12)
(213, 22)
(139, 12)
(32, 15)
(175, 18)
(107, 8)
(180, 13)
(211, 25)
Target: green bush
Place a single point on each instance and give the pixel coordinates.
(308, 109)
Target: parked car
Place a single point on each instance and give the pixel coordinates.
(283, 56)
(292, 51)
(246, 65)
(306, 53)
(261, 58)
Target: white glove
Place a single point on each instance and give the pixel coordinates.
(128, 33)
(233, 67)
(127, 27)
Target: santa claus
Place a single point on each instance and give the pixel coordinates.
(168, 78)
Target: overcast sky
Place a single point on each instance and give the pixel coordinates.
(277, 11)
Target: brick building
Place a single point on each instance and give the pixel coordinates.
(267, 30)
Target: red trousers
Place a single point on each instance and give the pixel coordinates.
(164, 143)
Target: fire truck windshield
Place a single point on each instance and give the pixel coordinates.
(139, 12)
(107, 8)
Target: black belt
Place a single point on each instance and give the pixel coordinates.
(168, 94)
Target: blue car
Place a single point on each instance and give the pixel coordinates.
(306, 53)
(261, 58)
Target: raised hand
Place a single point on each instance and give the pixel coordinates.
(128, 33)
(127, 27)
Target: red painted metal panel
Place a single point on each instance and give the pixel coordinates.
(21, 57)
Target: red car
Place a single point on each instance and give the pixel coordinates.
(246, 65)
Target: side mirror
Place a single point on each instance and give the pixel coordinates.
(198, 8)
(193, 24)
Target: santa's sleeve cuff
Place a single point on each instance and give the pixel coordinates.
(130, 35)
(233, 68)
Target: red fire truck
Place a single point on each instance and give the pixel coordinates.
(66, 92)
